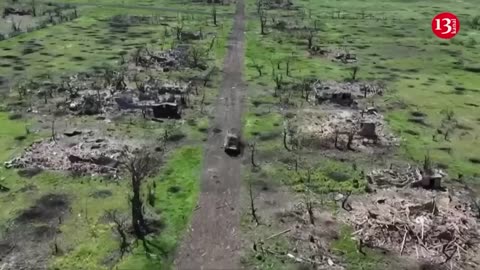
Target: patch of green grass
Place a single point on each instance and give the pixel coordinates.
(325, 176)
(13, 134)
(347, 248)
(258, 125)
(92, 41)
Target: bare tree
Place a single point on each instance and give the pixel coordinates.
(179, 31)
(211, 44)
(34, 10)
(140, 164)
(263, 21)
(449, 123)
(202, 101)
(310, 36)
(252, 150)
(364, 89)
(278, 83)
(287, 67)
(353, 73)
(309, 203)
(214, 15)
(196, 55)
(345, 205)
(350, 137)
(259, 6)
(286, 133)
(52, 129)
(121, 229)
(258, 67)
(336, 134)
(253, 210)
(151, 197)
(22, 90)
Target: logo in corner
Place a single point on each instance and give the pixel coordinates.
(445, 25)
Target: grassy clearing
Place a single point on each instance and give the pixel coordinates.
(91, 41)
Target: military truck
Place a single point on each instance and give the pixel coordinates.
(232, 143)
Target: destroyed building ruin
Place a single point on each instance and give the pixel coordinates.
(78, 152)
(165, 61)
(335, 55)
(408, 211)
(345, 93)
(339, 127)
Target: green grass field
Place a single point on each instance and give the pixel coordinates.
(424, 73)
(393, 42)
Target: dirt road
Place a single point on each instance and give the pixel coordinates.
(212, 241)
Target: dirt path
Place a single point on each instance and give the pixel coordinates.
(212, 241)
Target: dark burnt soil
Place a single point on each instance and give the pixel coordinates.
(27, 243)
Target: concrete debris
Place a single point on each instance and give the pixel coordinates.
(410, 176)
(436, 227)
(346, 93)
(165, 61)
(85, 156)
(149, 96)
(337, 128)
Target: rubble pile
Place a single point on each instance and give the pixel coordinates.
(410, 176)
(164, 60)
(278, 4)
(336, 55)
(337, 127)
(432, 226)
(85, 156)
(346, 93)
(84, 95)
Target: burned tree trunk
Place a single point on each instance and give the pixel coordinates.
(214, 15)
(252, 157)
(351, 135)
(263, 22)
(285, 141)
(354, 73)
(253, 210)
(121, 229)
(138, 220)
(140, 164)
(34, 9)
(308, 200)
(310, 39)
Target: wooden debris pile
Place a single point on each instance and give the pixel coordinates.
(426, 177)
(335, 55)
(437, 227)
(345, 129)
(346, 93)
(161, 60)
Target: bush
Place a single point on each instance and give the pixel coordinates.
(475, 22)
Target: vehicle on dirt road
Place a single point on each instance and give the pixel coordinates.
(232, 143)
